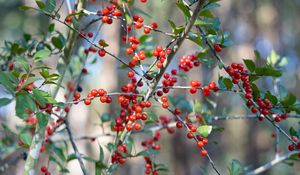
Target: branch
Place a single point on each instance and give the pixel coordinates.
(77, 154)
(272, 163)
(179, 41)
(195, 138)
(250, 116)
(218, 57)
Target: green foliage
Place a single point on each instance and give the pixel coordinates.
(4, 101)
(204, 130)
(236, 168)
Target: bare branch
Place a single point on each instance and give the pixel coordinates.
(272, 163)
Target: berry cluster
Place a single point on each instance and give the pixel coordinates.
(120, 154)
(151, 143)
(161, 54)
(187, 62)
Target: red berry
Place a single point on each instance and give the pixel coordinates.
(130, 74)
(277, 119)
(179, 125)
(90, 34)
(101, 52)
(87, 101)
(200, 144)
(203, 152)
(137, 126)
(217, 47)
(43, 169)
(190, 135)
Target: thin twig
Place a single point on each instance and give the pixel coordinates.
(77, 154)
(272, 163)
(194, 136)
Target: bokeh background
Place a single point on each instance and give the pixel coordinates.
(264, 25)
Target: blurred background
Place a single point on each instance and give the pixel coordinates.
(262, 25)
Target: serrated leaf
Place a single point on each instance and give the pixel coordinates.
(250, 65)
(204, 130)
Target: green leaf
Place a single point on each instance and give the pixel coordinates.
(101, 156)
(147, 152)
(204, 130)
(25, 8)
(227, 83)
(42, 97)
(293, 132)
(42, 120)
(289, 100)
(255, 90)
(26, 138)
(257, 55)
(57, 42)
(28, 81)
(272, 98)
(267, 71)
(23, 101)
(105, 117)
(59, 152)
(195, 38)
(250, 65)
(41, 54)
(112, 168)
(200, 22)
(40, 4)
(236, 168)
(99, 167)
(128, 19)
(4, 80)
(176, 30)
(160, 167)
(22, 61)
(4, 101)
(197, 107)
(51, 27)
(50, 5)
(184, 10)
